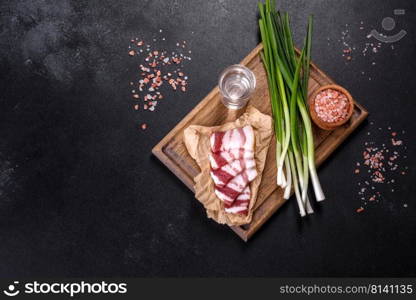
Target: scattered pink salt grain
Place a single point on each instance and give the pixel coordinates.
(357, 44)
(396, 142)
(144, 126)
(361, 209)
(379, 167)
(157, 68)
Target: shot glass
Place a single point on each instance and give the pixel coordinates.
(236, 85)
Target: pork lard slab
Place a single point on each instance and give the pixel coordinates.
(233, 167)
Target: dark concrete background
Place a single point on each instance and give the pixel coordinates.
(81, 194)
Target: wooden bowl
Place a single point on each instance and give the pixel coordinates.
(326, 125)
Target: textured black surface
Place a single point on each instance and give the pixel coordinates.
(81, 195)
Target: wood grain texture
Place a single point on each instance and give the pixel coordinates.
(172, 152)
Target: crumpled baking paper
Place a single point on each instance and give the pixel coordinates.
(197, 142)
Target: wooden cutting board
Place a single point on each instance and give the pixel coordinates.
(172, 152)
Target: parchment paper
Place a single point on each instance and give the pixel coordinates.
(196, 139)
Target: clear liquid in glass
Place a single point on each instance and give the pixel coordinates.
(236, 84)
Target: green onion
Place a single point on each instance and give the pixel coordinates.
(288, 78)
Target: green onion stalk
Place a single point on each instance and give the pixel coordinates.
(288, 78)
